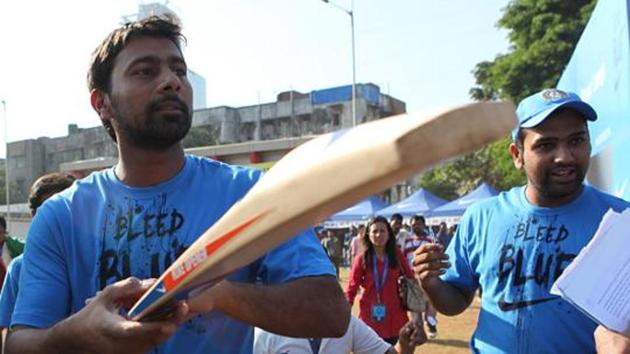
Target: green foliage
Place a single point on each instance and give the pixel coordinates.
(543, 34)
(201, 136)
(491, 164)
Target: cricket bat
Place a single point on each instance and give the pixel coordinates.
(318, 178)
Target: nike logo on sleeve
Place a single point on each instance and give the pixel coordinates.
(511, 306)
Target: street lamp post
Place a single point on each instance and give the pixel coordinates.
(354, 72)
(6, 163)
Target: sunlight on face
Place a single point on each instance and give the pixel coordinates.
(378, 234)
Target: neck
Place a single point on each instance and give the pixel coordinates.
(538, 199)
(379, 251)
(143, 168)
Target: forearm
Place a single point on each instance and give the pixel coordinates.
(56, 339)
(446, 298)
(307, 307)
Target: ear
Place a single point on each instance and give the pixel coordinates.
(517, 156)
(101, 104)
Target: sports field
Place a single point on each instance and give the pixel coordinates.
(453, 332)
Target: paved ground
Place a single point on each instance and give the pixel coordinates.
(453, 332)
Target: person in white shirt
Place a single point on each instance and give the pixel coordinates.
(396, 221)
(359, 339)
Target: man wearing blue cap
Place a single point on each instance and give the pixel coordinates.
(515, 245)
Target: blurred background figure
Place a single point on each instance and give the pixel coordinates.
(443, 235)
(359, 339)
(376, 272)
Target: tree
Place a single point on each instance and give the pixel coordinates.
(543, 34)
(491, 164)
(201, 136)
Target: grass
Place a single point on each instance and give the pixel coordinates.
(453, 332)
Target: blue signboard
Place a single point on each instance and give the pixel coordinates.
(599, 71)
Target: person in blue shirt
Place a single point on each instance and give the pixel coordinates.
(515, 245)
(93, 248)
(43, 188)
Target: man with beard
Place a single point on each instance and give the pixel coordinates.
(89, 247)
(396, 221)
(515, 245)
(420, 235)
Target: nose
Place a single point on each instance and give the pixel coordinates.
(564, 154)
(170, 81)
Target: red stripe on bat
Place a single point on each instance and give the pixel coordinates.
(180, 272)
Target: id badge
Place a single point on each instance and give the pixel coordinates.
(378, 312)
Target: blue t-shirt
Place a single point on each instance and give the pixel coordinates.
(514, 251)
(100, 231)
(9, 291)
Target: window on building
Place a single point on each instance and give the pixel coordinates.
(17, 161)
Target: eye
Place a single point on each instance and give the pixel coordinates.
(180, 70)
(144, 72)
(577, 141)
(544, 146)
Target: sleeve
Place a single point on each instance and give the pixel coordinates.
(9, 292)
(262, 344)
(356, 279)
(301, 256)
(15, 246)
(461, 272)
(404, 265)
(365, 340)
(44, 295)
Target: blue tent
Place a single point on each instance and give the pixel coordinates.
(599, 71)
(457, 207)
(420, 202)
(360, 211)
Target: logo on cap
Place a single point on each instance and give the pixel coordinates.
(554, 95)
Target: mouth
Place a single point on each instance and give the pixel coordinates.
(564, 174)
(170, 106)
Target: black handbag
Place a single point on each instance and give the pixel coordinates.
(410, 293)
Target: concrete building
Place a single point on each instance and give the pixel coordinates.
(292, 115)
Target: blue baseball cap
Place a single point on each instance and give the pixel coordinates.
(534, 109)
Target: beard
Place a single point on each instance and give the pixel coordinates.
(158, 130)
(550, 189)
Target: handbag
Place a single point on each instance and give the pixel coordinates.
(410, 293)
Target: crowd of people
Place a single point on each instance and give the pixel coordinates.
(96, 244)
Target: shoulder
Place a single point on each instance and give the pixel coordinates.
(502, 202)
(606, 200)
(204, 164)
(15, 265)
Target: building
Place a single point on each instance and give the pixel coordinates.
(246, 129)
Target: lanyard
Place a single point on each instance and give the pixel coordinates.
(315, 344)
(379, 284)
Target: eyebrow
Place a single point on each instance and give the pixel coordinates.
(582, 132)
(154, 59)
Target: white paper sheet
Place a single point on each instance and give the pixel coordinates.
(598, 280)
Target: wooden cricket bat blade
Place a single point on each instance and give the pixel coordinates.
(321, 177)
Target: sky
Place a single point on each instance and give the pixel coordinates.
(420, 51)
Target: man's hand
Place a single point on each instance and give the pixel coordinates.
(100, 327)
(410, 335)
(110, 332)
(609, 342)
(429, 263)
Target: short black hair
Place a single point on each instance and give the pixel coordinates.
(396, 216)
(418, 217)
(46, 186)
(103, 58)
